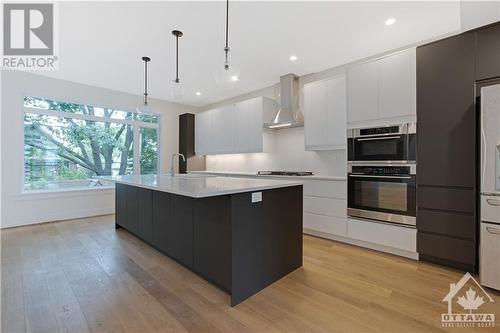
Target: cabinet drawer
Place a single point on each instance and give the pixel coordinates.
(446, 223)
(490, 252)
(459, 200)
(325, 206)
(383, 234)
(447, 248)
(325, 188)
(327, 224)
(490, 209)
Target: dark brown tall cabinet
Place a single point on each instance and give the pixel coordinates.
(447, 149)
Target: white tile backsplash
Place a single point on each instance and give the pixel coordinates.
(283, 150)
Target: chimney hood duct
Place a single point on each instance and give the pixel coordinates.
(288, 114)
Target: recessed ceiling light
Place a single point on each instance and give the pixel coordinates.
(235, 78)
(198, 93)
(390, 21)
(293, 58)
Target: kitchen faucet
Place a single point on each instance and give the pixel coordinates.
(172, 172)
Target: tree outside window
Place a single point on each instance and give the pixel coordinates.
(68, 144)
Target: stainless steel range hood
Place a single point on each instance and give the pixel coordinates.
(289, 114)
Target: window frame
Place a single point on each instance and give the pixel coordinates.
(136, 130)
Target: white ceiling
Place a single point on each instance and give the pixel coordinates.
(101, 43)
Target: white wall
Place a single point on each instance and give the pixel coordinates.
(474, 14)
(28, 208)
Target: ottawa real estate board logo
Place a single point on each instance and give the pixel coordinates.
(30, 36)
(470, 296)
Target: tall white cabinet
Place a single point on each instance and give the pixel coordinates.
(234, 128)
(325, 114)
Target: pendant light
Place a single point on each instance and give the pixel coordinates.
(144, 107)
(228, 74)
(177, 86)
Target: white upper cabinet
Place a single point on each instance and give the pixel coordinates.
(363, 92)
(325, 114)
(202, 133)
(383, 89)
(398, 90)
(337, 112)
(231, 129)
(248, 126)
(222, 129)
(316, 114)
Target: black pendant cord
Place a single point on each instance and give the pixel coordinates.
(146, 60)
(177, 59)
(226, 49)
(177, 34)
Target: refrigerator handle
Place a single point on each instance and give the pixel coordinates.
(483, 147)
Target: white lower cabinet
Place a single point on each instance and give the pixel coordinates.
(489, 256)
(325, 224)
(325, 206)
(394, 236)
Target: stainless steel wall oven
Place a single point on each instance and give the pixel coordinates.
(382, 193)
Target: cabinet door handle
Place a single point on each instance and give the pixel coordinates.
(493, 202)
(492, 230)
(379, 138)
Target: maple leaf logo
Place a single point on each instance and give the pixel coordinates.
(470, 301)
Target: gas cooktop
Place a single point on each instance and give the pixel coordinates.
(285, 173)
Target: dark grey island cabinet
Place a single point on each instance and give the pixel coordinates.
(236, 242)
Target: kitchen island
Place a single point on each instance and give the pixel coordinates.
(240, 234)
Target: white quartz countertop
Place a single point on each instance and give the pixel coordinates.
(200, 186)
(254, 174)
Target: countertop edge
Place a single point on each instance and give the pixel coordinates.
(210, 194)
(250, 174)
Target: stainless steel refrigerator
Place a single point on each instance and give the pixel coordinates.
(490, 187)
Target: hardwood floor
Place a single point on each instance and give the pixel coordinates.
(83, 275)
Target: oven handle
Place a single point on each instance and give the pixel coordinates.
(372, 176)
(381, 138)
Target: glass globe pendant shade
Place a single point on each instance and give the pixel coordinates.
(227, 75)
(178, 90)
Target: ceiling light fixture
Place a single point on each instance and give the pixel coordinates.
(144, 107)
(198, 93)
(293, 58)
(390, 21)
(229, 73)
(177, 86)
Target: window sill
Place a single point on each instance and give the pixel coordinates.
(68, 192)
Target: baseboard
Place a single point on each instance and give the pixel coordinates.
(57, 216)
(371, 246)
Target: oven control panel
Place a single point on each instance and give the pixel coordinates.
(381, 170)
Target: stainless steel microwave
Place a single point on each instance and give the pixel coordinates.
(387, 144)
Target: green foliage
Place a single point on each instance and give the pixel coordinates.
(58, 148)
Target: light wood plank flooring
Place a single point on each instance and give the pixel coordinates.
(83, 275)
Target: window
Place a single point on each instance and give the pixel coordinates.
(66, 145)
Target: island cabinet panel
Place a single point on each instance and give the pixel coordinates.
(212, 240)
(173, 226)
(120, 205)
(267, 239)
(132, 209)
(145, 214)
